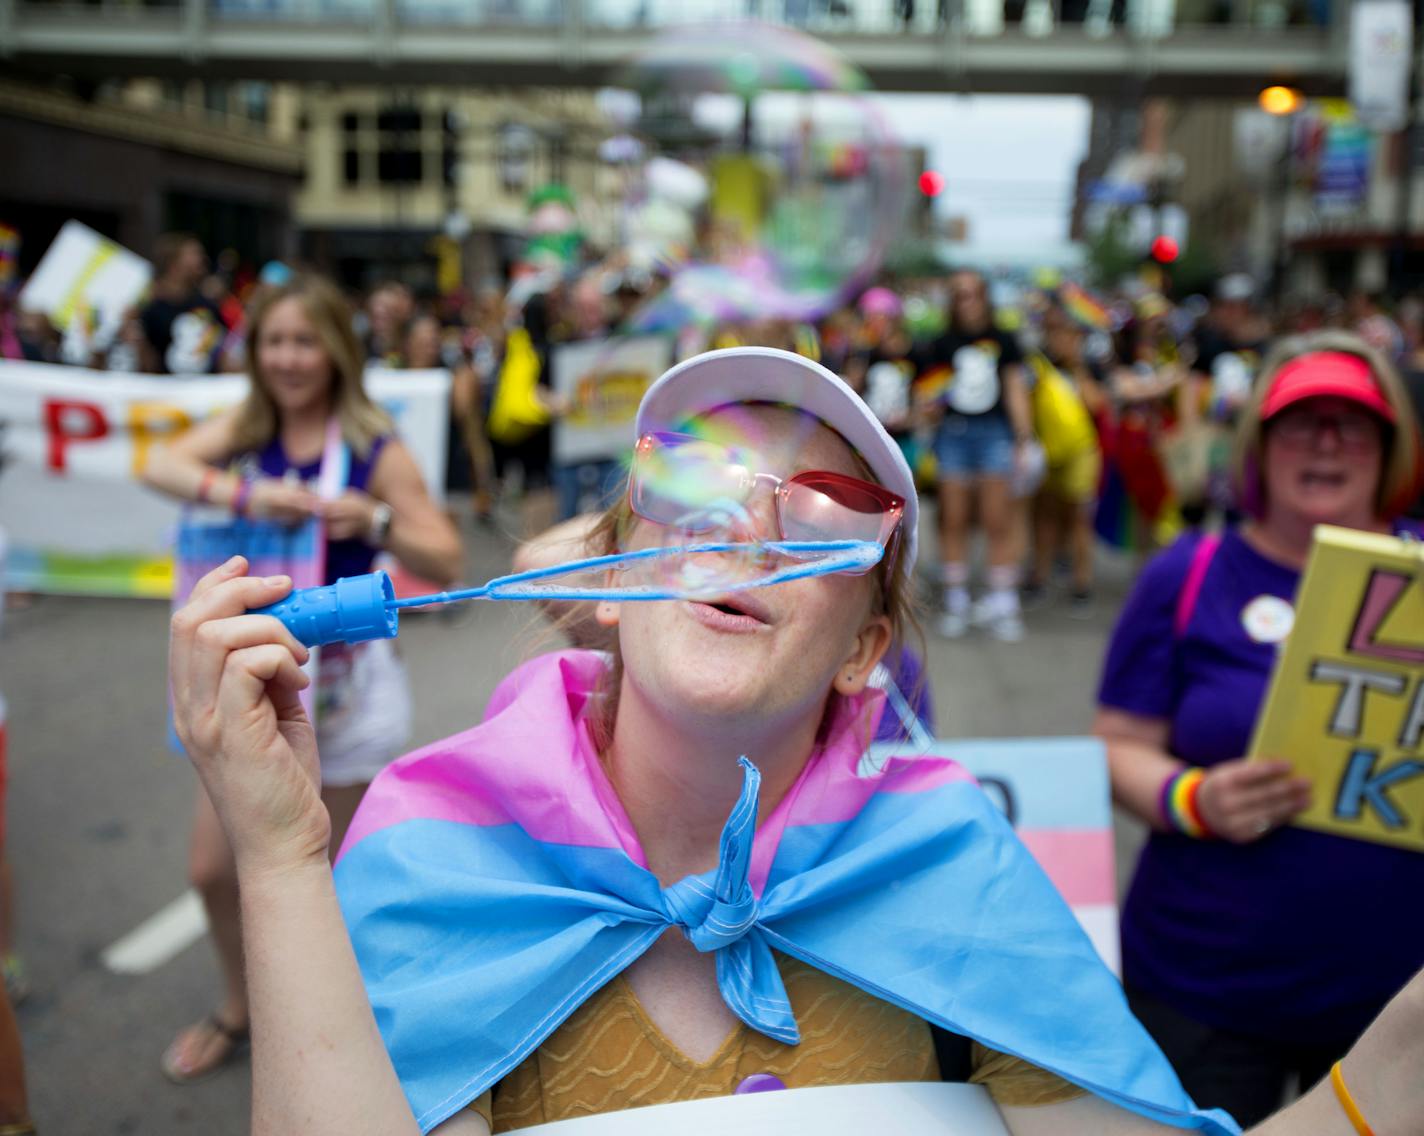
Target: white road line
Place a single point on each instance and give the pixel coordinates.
(159, 937)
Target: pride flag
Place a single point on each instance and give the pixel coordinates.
(492, 882)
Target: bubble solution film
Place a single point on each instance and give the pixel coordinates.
(359, 608)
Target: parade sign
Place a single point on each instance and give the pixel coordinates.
(1346, 705)
(74, 446)
(913, 1108)
(1055, 793)
(602, 382)
(86, 275)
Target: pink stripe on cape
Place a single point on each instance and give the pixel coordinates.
(532, 762)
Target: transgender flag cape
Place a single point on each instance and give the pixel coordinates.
(492, 882)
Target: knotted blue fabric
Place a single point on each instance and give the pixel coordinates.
(722, 918)
(492, 882)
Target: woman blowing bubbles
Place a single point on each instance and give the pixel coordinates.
(588, 903)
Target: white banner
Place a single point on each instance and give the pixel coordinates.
(603, 381)
(74, 441)
(1381, 54)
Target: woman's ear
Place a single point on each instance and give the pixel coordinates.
(869, 648)
(606, 613)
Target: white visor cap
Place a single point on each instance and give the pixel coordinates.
(763, 374)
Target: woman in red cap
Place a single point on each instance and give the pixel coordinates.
(1231, 955)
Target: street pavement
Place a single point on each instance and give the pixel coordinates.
(99, 812)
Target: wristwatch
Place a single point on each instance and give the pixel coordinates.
(380, 525)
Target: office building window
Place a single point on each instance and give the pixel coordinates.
(400, 157)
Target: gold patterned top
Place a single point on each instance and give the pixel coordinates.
(608, 1055)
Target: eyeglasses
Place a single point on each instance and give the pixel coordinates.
(680, 480)
(1301, 428)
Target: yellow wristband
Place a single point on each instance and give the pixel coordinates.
(1347, 1102)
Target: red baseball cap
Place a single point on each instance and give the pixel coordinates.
(1326, 374)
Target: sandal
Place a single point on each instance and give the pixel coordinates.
(220, 1041)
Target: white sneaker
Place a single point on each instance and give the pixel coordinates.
(1007, 627)
(953, 624)
(984, 611)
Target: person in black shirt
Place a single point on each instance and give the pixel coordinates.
(182, 329)
(972, 385)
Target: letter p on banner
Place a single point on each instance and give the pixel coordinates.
(68, 421)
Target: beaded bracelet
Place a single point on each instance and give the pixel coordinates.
(1178, 803)
(1347, 1102)
(240, 497)
(205, 487)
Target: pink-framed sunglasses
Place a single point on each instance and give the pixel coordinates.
(682, 481)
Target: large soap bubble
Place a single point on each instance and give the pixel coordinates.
(808, 187)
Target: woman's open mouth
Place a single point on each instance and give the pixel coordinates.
(730, 613)
(1323, 479)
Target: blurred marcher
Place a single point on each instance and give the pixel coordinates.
(1371, 322)
(1227, 352)
(14, 1100)
(183, 329)
(1235, 954)
(1137, 504)
(389, 310)
(1068, 392)
(521, 411)
(586, 485)
(258, 460)
(974, 390)
(880, 367)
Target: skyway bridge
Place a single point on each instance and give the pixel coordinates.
(1088, 47)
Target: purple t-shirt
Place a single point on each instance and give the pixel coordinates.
(343, 557)
(1298, 937)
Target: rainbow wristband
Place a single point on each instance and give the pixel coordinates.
(1178, 803)
(240, 497)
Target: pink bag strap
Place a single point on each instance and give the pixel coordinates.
(1191, 588)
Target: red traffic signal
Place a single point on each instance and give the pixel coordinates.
(1164, 250)
(931, 183)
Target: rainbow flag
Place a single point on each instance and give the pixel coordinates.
(9, 255)
(492, 882)
(1084, 307)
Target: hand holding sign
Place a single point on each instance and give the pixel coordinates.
(1243, 800)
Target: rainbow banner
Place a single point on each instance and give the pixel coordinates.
(79, 520)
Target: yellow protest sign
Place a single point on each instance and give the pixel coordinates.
(1346, 704)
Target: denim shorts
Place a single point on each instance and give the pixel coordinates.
(980, 445)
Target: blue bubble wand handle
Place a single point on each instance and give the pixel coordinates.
(360, 608)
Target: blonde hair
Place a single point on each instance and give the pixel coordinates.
(362, 421)
(1400, 472)
(895, 598)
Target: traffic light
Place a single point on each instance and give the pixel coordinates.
(931, 183)
(1164, 249)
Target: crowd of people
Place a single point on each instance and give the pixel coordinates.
(1206, 435)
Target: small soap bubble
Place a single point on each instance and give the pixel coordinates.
(700, 574)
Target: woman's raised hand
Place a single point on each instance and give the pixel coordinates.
(236, 679)
(276, 500)
(1243, 800)
(348, 516)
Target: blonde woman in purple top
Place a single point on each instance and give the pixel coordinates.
(261, 459)
(1231, 956)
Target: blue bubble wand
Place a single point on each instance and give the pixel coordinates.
(360, 608)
